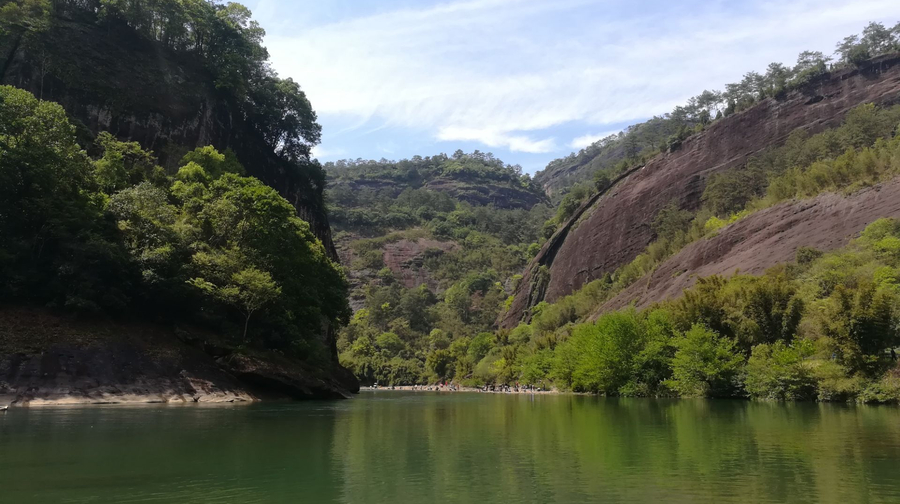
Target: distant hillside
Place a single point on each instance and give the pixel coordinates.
(398, 194)
(605, 154)
(403, 215)
(431, 246)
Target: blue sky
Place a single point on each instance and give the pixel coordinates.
(529, 80)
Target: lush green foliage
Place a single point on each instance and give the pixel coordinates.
(821, 329)
(818, 329)
(222, 37)
(117, 234)
(484, 242)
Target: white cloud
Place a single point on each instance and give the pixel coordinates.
(515, 143)
(583, 141)
(322, 154)
(502, 72)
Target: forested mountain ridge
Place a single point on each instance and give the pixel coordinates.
(173, 77)
(155, 169)
(363, 194)
(432, 246)
(616, 225)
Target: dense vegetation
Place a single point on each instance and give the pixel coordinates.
(117, 234)
(222, 37)
(725, 337)
(612, 155)
(481, 209)
(378, 196)
(820, 329)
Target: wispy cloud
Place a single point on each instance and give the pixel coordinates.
(323, 154)
(515, 143)
(504, 73)
(585, 140)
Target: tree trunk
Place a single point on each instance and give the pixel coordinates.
(246, 324)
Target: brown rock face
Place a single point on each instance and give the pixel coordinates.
(406, 259)
(765, 239)
(614, 228)
(49, 359)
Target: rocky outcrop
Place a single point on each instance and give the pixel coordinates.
(48, 359)
(616, 226)
(108, 78)
(764, 239)
(405, 258)
(484, 194)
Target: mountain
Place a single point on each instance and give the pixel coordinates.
(420, 207)
(110, 77)
(160, 225)
(613, 227)
(431, 246)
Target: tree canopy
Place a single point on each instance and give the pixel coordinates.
(117, 234)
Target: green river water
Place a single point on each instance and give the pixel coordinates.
(405, 447)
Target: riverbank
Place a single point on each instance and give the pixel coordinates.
(51, 359)
(438, 388)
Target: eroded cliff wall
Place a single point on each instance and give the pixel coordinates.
(613, 228)
(108, 78)
(765, 239)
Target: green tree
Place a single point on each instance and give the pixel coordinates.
(249, 291)
(861, 325)
(780, 371)
(705, 364)
(56, 248)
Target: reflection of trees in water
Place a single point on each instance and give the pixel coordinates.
(472, 448)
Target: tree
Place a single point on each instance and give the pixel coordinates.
(670, 221)
(780, 371)
(878, 39)
(215, 164)
(607, 351)
(249, 291)
(861, 324)
(846, 47)
(705, 364)
(56, 248)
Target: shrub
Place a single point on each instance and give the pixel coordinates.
(883, 391)
(705, 364)
(834, 383)
(780, 371)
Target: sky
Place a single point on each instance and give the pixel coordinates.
(529, 80)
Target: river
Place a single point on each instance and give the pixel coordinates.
(408, 447)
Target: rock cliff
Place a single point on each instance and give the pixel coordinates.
(52, 359)
(613, 228)
(405, 258)
(764, 239)
(108, 78)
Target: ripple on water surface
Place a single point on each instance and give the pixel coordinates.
(405, 447)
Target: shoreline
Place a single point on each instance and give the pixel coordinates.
(468, 390)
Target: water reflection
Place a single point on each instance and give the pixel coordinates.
(391, 447)
(577, 449)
